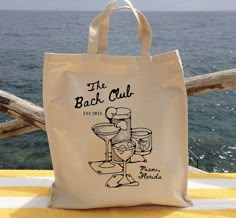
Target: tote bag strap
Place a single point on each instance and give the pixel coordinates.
(98, 33)
(144, 33)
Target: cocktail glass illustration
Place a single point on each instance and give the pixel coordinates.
(106, 131)
(124, 151)
(124, 145)
(142, 137)
(120, 117)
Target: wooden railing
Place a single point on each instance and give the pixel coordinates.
(30, 117)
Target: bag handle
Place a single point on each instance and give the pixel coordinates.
(98, 33)
(145, 33)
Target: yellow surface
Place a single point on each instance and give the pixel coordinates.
(114, 213)
(228, 193)
(212, 175)
(31, 173)
(131, 212)
(24, 191)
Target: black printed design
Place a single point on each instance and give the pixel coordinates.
(123, 145)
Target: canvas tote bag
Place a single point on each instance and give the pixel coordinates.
(117, 125)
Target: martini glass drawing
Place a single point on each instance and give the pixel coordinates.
(124, 151)
(106, 131)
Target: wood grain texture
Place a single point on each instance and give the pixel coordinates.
(30, 117)
(22, 109)
(211, 82)
(14, 128)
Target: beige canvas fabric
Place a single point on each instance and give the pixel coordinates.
(117, 125)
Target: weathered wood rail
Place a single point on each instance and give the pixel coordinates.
(30, 117)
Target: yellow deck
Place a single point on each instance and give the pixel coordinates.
(24, 194)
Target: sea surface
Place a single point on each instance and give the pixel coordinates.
(206, 41)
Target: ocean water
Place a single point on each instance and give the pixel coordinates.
(206, 41)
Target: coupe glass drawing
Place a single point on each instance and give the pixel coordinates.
(106, 131)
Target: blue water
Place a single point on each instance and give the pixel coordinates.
(207, 43)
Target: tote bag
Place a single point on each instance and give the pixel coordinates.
(116, 125)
